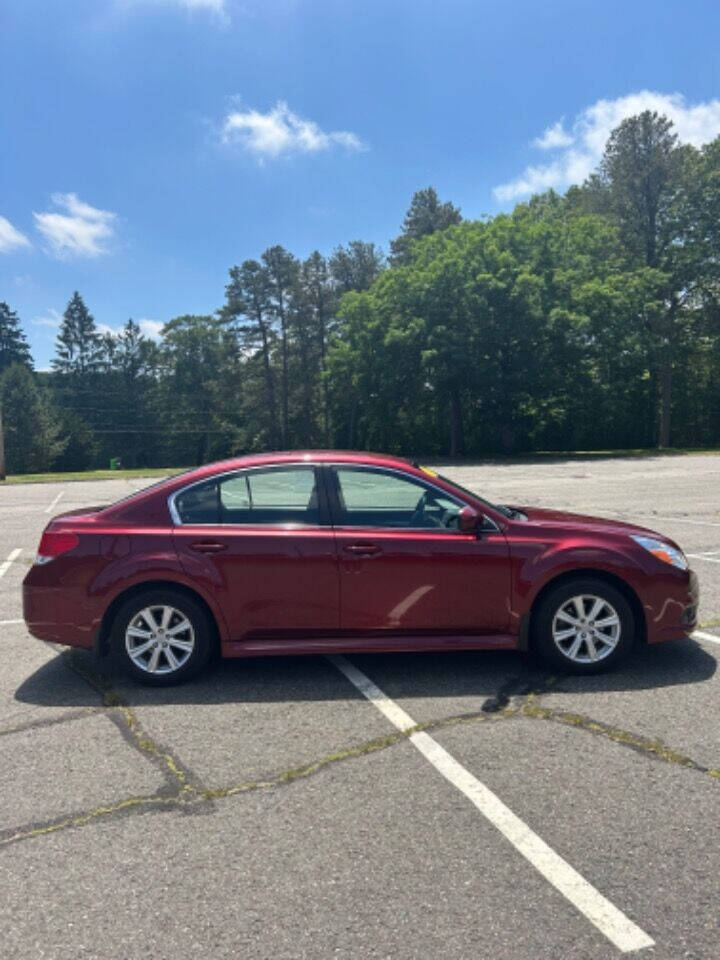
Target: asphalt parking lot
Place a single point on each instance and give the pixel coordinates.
(282, 807)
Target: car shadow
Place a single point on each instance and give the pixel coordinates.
(74, 678)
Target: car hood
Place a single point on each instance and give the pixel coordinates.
(579, 521)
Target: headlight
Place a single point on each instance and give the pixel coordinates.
(663, 551)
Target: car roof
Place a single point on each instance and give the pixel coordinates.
(134, 506)
(297, 456)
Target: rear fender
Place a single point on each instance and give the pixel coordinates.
(151, 561)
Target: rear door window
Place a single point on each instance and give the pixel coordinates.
(280, 495)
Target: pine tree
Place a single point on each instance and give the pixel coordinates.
(641, 171)
(13, 343)
(426, 215)
(248, 312)
(78, 364)
(281, 269)
(134, 358)
(79, 347)
(356, 266)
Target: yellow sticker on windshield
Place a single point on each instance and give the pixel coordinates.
(428, 471)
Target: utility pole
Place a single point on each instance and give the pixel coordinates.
(2, 447)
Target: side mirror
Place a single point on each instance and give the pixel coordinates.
(469, 520)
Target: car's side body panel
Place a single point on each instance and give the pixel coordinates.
(269, 582)
(423, 582)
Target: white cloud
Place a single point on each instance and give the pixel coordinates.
(217, 7)
(554, 136)
(280, 131)
(148, 328)
(10, 237)
(81, 231)
(581, 148)
(151, 328)
(51, 318)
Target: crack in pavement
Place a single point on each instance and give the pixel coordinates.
(533, 710)
(179, 778)
(83, 818)
(518, 697)
(81, 713)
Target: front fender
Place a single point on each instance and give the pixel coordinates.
(534, 569)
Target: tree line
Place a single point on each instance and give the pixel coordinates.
(588, 320)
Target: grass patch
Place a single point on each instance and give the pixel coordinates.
(94, 475)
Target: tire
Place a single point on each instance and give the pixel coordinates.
(162, 637)
(570, 639)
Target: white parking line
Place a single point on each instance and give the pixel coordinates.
(701, 556)
(706, 636)
(7, 623)
(610, 921)
(5, 565)
(49, 507)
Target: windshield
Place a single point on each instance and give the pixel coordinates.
(506, 511)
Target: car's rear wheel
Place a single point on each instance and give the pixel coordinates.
(584, 626)
(162, 637)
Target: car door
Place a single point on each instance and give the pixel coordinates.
(261, 540)
(405, 566)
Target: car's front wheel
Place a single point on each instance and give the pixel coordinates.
(162, 637)
(584, 626)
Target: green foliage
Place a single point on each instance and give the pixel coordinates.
(356, 266)
(13, 343)
(82, 448)
(193, 370)
(33, 439)
(425, 216)
(649, 186)
(79, 347)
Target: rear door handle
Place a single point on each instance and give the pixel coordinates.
(362, 549)
(208, 546)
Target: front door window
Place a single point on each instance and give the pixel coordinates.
(374, 498)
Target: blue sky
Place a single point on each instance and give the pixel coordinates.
(148, 145)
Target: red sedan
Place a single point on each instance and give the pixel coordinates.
(313, 552)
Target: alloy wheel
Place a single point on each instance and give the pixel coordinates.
(159, 639)
(586, 628)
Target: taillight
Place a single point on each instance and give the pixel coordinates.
(53, 544)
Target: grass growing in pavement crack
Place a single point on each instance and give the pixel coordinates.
(127, 722)
(653, 748)
(518, 697)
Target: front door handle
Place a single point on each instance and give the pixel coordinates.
(208, 546)
(362, 549)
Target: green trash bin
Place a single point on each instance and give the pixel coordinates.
(115, 463)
